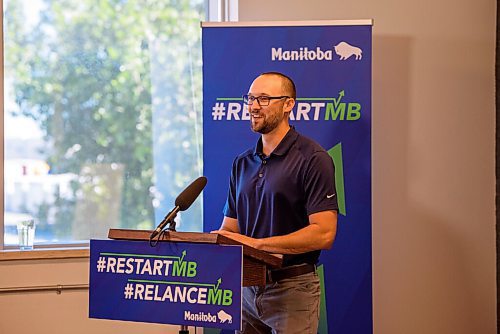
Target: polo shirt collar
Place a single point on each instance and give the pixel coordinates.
(283, 146)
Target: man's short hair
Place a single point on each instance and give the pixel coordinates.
(286, 82)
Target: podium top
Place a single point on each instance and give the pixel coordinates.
(271, 260)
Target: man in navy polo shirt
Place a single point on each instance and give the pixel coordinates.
(281, 199)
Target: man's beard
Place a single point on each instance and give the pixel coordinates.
(268, 123)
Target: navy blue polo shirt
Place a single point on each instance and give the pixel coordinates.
(274, 195)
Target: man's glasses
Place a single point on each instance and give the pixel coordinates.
(262, 100)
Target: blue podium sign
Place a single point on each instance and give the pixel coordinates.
(171, 283)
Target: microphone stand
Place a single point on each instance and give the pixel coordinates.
(171, 227)
(168, 222)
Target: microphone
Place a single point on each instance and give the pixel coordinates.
(182, 202)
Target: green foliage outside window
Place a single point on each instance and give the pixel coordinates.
(83, 72)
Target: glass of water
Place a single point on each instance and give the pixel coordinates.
(26, 233)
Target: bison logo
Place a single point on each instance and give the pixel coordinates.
(223, 317)
(344, 50)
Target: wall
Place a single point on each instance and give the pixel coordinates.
(49, 312)
(433, 157)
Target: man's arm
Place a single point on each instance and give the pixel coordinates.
(230, 225)
(319, 234)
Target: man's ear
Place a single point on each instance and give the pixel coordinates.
(289, 104)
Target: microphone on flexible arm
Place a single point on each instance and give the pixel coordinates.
(182, 202)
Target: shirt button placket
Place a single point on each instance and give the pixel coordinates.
(261, 174)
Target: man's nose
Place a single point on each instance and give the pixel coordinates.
(255, 105)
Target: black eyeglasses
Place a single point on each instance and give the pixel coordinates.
(262, 100)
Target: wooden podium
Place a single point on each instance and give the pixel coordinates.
(255, 262)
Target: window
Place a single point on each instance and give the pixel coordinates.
(102, 115)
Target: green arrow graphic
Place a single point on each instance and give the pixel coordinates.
(336, 155)
(169, 282)
(140, 255)
(337, 101)
(218, 283)
(213, 286)
(183, 254)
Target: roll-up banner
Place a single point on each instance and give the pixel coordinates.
(330, 62)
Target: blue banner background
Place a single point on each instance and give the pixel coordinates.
(232, 58)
